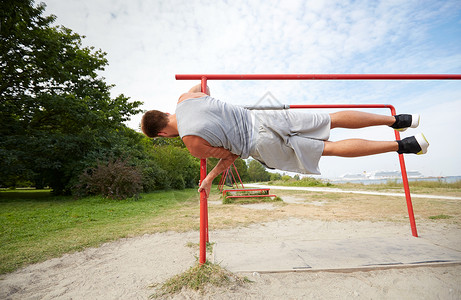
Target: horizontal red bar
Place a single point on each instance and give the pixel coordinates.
(245, 190)
(342, 106)
(319, 76)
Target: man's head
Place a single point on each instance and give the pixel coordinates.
(153, 122)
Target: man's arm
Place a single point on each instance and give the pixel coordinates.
(222, 165)
(200, 148)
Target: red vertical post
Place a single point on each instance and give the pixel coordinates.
(406, 186)
(203, 202)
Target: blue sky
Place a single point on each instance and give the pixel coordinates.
(148, 42)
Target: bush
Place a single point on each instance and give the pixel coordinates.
(115, 179)
(286, 178)
(177, 182)
(276, 176)
(154, 177)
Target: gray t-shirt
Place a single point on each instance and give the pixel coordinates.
(221, 124)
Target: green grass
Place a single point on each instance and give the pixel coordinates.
(35, 225)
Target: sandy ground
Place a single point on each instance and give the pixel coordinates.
(126, 268)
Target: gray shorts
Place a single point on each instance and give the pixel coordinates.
(290, 140)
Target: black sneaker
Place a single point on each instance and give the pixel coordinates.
(417, 144)
(404, 121)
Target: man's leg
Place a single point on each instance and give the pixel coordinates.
(359, 119)
(358, 147)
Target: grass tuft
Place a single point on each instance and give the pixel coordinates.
(197, 278)
(440, 217)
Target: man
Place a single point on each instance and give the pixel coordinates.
(289, 140)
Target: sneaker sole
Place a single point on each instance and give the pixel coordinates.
(415, 118)
(423, 143)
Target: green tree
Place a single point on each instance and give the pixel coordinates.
(55, 111)
(177, 142)
(275, 176)
(181, 168)
(257, 172)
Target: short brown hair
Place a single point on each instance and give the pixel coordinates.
(152, 122)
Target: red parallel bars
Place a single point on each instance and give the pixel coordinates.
(205, 77)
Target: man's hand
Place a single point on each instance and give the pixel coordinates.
(206, 187)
